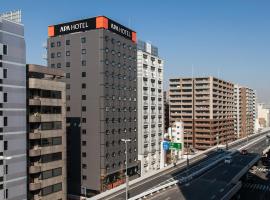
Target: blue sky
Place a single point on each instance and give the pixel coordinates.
(229, 39)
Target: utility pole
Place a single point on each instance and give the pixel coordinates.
(126, 141)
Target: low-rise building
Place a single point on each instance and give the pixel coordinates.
(263, 115)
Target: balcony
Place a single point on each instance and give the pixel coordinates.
(34, 102)
(34, 135)
(145, 122)
(35, 185)
(36, 168)
(36, 117)
(36, 151)
(146, 141)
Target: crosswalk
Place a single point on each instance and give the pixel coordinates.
(261, 169)
(252, 186)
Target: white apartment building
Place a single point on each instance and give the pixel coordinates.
(244, 111)
(263, 117)
(176, 135)
(13, 175)
(150, 106)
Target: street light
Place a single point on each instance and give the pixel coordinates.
(187, 148)
(126, 141)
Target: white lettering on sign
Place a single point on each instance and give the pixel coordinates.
(72, 27)
(121, 30)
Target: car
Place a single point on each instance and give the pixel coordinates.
(220, 150)
(228, 160)
(244, 152)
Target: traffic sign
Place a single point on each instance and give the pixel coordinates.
(176, 146)
(166, 145)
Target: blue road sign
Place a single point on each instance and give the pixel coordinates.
(166, 145)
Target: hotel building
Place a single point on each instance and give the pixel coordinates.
(99, 57)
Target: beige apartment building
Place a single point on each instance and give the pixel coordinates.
(46, 134)
(245, 111)
(205, 105)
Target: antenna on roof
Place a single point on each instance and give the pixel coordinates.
(192, 71)
(15, 16)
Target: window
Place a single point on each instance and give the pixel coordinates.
(51, 173)
(5, 97)
(84, 154)
(67, 42)
(51, 125)
(52, 65)
(68, 97)
(5, 145)
(58, 54)
(51, 141)
(83, 40)
(5, 74)
(5, 49)
(67, 75)
(83, 120)
(83, 74)
(52, 44)
(52, 55)
(58, 65)
(83, 51)
(83, 85)
(84, 177)
(68, 108)
(56, 141)
(67, 86)
(84, 166)
(83, 62)
(51, 157)
(67, 64)
(83, 97)
(84, 131)
(6, 194)
(84, 143)
(5, 121)
(67, 53)
(51, 189)
(58, 43)
(83, 108)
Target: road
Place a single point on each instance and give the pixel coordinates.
(170, 174)
(216, 182)
(213, 185)
(257, 185)
(167, 175)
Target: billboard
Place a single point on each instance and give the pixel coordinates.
(90, 24)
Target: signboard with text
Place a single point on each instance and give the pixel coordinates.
(176, 146)
(90, 24)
